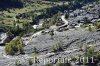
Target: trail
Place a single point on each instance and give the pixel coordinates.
(64, 20)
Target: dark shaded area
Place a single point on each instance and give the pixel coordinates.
(10, 4)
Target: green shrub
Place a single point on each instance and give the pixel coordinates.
(9, 50)
(90, 28)
(89, 52)
(20, 48)
(98, 55)
(30, 61)
(57, 46)
(93, 57)
(98, 25)
(14, 46)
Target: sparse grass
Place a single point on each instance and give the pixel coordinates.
(92, 28)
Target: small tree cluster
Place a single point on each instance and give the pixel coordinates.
(14, 47)
(52, 21)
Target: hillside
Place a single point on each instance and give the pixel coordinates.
(49, 32)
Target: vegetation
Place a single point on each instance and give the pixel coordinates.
(14, 46)
(52, 21)
(51, 34)
(30, 61)
(93, 56)
(57, 46)
(98, 25)
(90, 29)
(25, 17)
(89, 51)
(98, 55)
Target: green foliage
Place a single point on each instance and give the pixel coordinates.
(57, 46)
(9, 50)
(30, 61)
(98, 25)
(20, 48)
(52, 21)
(89, 52)
(27, 28)
(98, 55)
(14, 46)
(93, 56)
(90, 29)
(46, 24)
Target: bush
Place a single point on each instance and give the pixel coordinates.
(89, 52)
(30, 61)
(93, 57)
(20, 48)
(14, 46)
(57, 46)
(9, 50)
(98, 55)
(98, 25)
(90, 28)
